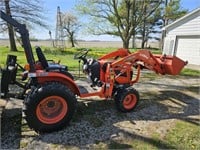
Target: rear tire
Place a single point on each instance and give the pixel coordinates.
(50, 107)
(68, 74)
(126, 99)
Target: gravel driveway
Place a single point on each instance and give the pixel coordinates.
(163, 101)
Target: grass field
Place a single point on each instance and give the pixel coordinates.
(65, 56)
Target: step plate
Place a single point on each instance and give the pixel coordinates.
(85, 87)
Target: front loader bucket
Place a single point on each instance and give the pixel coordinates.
(172, 65)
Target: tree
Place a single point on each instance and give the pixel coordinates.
(110, 17)
(145, 14)
(167, 12)
(107, 18)
(70, 25)
(150, 26)
(115, 17)
(172, 10)
(28, 12)
(10, 28)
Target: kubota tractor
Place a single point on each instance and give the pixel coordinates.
(51, 92)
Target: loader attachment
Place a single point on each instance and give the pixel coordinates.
(161, 64)
(171, 65)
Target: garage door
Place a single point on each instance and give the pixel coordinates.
(188, 48)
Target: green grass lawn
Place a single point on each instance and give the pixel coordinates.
(190, 72)
(65, 56)
(184, 136)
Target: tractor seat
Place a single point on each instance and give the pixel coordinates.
(49, 65)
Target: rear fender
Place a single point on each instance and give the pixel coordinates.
(43, 77)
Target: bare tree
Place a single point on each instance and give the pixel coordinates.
(28, 12)
(71, 26)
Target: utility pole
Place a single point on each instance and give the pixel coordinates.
(51, 39)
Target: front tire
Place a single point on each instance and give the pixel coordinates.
(50, 107)
(126, 99)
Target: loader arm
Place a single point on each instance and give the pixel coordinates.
(160, 64)
(21, 29)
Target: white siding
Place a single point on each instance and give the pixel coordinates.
(189, 26)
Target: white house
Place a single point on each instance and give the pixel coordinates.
(182, 38)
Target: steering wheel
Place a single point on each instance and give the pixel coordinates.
(81, 55)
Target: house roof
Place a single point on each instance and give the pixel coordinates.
(197, 10)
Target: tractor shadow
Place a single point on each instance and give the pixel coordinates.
(170, 104)
(97, 121)
(11, 128)
(10, 125)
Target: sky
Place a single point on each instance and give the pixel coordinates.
(50, 7)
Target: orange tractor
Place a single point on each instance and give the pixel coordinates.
(51, 92)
